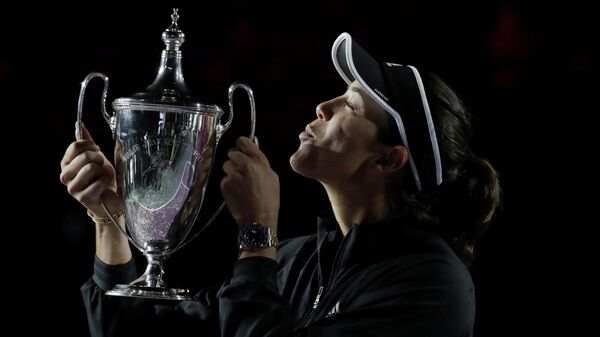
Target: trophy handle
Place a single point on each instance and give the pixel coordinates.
(111, 120)
(221, 129)
(112, 123)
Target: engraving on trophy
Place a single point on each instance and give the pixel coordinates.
(131, 151)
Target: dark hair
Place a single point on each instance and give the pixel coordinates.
(461, 208)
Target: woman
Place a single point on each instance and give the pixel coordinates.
(408, 200)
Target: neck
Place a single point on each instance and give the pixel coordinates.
(353, 205)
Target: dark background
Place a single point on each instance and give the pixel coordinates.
(525, 72)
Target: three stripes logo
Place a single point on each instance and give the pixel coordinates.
(334, 310)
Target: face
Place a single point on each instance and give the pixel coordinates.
(342, 141)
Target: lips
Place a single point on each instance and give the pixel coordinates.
(307, 134)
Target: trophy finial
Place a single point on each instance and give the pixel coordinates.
(173, 37)
(174, 18)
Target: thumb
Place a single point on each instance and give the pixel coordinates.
(84, 131)
(112, 200)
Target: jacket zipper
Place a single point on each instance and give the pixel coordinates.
(335, 263)
(318, 297)
(321, 289)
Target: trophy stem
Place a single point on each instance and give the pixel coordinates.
(154, 274)
(151, 284)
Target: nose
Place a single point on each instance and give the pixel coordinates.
(325, 110)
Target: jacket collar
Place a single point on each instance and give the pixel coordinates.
(327, 227)
(366, 243)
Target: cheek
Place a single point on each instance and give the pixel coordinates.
(338, 137)
(339, 140)
(354, 137)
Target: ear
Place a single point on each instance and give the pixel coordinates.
(392, 159)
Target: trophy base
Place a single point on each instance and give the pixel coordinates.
(129, 290)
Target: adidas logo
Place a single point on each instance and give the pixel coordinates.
(382, 95)
(334, 310)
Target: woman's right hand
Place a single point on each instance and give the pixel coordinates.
(89, 176)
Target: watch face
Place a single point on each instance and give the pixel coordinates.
(254, 236)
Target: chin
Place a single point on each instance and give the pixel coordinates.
(302, 164)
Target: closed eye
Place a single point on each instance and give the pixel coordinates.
(351, 106)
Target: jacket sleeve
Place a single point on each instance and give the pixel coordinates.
(123, 316)
(250, 304)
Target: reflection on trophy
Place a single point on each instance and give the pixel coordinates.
(165, 142)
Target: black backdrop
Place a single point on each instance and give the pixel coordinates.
(524, 71)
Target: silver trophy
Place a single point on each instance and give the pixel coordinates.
(165, 142)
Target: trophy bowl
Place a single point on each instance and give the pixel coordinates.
(165, 143)
(163, 161)
(163, 158)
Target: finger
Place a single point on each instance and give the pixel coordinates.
(69, 171)
(84, 178)
(77, 148)
(87, 157)
(231, 169)
(90, 196)
(245, 145)
(85, 132)
(238, 158)
(250, 148)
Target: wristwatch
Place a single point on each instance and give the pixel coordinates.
(254, 236)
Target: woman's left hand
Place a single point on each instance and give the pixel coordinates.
(250, 187)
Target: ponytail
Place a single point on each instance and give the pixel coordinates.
(462, 207)
(467, 204)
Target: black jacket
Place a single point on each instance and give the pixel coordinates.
(382, 279)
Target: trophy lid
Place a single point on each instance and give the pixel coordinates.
(168, 92)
